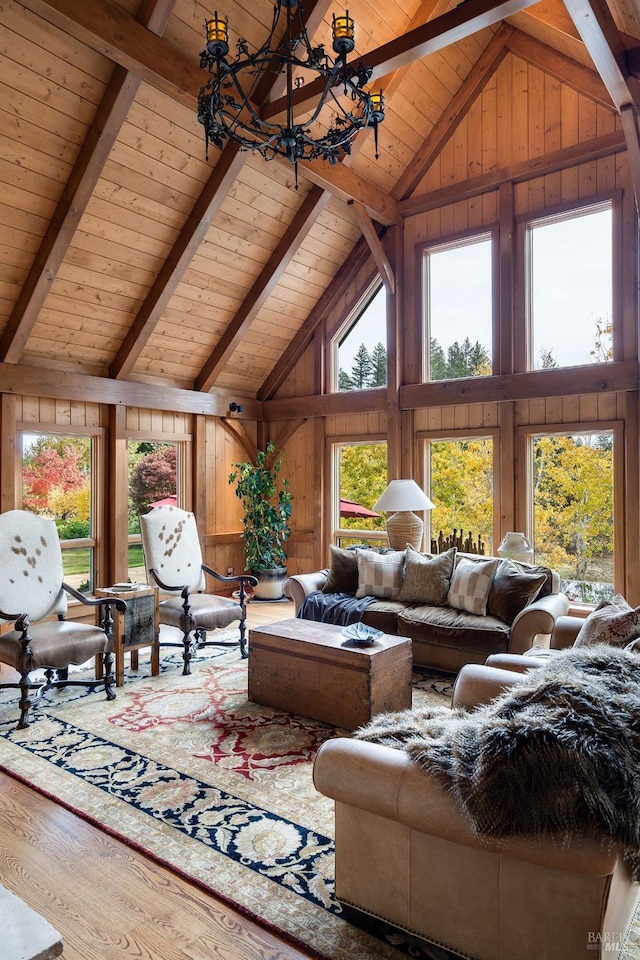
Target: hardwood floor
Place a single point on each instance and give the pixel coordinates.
(108, 901)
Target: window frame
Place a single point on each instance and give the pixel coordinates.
(95, 543)
(525, 512)
(523, 340)
(426, 438)
(373, 288)
(337, 532)
(468, 238)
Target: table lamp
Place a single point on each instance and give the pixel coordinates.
(403, 526)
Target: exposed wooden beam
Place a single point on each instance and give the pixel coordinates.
(590, 378)
(34, 381)
(323, 307)
(602, 39)
(344, 183)
(563, 68)
(351, 402)
(554, 15)
(191, 236)
(455, 25)
(111, 31)
(291, 428)
(302, 222)
(518, 172)
(272, 87)
(458, 107)
(377, 250)
(238, 432)
(110, 115)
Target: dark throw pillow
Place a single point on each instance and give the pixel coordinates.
(512, 590)
(343, 571)
(427, 580)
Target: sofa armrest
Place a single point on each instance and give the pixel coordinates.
(477, 684)
(385, 782)
(565, 631)
(298, 587)
(534, 625)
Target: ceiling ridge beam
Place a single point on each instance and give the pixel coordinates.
(275, 266)
(467, 18)
(173, 269)
(585, 152)
(453, 115)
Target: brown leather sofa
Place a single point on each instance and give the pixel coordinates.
(406, 854)
(446, 639)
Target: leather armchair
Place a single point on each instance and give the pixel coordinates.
(406, 854)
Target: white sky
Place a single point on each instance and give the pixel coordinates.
(572, 261)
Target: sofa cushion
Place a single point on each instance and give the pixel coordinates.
(383, 615)
(379, 574)
(427, 580)
(343, 571)
(512, 590)
(470, 585)
(447, 627)
(613, 621)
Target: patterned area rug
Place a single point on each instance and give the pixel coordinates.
(189, 771)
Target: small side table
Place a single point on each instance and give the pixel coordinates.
(137, 627)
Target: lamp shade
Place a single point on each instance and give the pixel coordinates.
(403, 495)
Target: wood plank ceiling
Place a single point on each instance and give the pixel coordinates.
(125, 255)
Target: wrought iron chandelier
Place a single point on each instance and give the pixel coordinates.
(226, 106)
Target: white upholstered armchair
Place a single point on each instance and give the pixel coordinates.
(32, 593)
(173, 560)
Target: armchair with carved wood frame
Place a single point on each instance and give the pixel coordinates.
(32, 592)
(173, 561)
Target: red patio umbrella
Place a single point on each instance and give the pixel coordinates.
(349, 508)
(169, 501)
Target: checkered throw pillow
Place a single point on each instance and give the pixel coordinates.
(379, 574)
(470, 585)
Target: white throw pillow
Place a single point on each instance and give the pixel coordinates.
(471, 584)
(379, 574)
(613, 621)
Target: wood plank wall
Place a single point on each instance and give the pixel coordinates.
(522, 114)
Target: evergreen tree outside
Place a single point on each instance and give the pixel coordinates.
(378, 376)
(464, 359)
(368, 370)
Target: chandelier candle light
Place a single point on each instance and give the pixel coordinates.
(403, 527)
(226, 105)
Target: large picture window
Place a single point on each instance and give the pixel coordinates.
(152, 482)
(570, 289)
(58, 482)
(360, 347)
(458, 310)
(461, 488)
(360, 477)
(573, 510)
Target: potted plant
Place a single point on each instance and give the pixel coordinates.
(266, 501)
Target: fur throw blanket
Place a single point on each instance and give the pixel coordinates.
(558, 754)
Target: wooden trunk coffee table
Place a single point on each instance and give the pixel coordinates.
(311, 669)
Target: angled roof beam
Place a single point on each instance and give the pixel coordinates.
(110, 115)
(336, 290)
(458, 107)
(600, 35)
(275, 266)
(173, 269)
(112, 32)
(561, 67)
(376, 248)
(467, 18)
